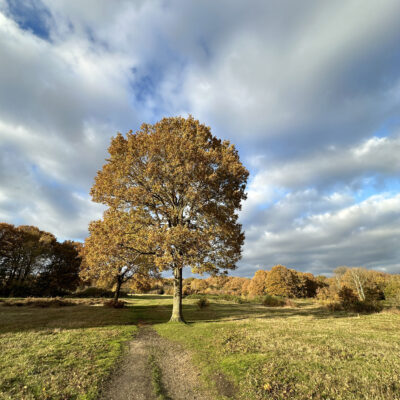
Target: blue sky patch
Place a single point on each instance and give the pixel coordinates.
(31, 16)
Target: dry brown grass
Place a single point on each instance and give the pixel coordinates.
(38, 302)
(43, 302)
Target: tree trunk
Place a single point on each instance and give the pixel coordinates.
(118, 289)
(10, 278)
(358, 284)
(177, 302)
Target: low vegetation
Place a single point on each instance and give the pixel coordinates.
(115, 303)
(59, 352)
(202, 303)
(293, 353)
(156, 379)
(272, 301)
(301, 351)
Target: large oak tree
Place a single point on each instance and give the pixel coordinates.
(181, 188)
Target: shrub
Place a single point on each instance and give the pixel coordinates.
(230, 297)
(93, 292)
(347, 297)
(281, 281)
(96, 292)
(114, 304)
(392, 310)
(219, 297)
(328, 294)
(57, 302)
(43, 303)
(366, 307)
(334, 306)
(392, 290)
(356, 307)
(272, 301)
(349, 301)
(195, 296)
(202, 303)
(23, 289)
(290, 303)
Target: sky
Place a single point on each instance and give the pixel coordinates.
(308, 91)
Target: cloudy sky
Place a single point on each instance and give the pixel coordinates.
(309, 91)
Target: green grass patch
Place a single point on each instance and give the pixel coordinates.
(59, 353)
(156, 379)
(295, 353)
(246, 350)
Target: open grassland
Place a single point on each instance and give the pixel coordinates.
(301, 353)
(244, 351)
(59, 353)
(304, 352)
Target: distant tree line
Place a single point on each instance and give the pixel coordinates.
(347, 284)
(352, 286)
(34, 263)
(279, 281)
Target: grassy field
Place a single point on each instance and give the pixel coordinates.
(59, 353)
(245, 351)
(301, 353)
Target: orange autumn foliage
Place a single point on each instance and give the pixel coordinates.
(257, 284)
(179, 189)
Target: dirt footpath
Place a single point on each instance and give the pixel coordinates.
(149, 359)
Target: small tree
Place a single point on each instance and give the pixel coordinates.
(198, 285)
(216, 283)
(282, 281)
(61, 271)
(245, 287)
(25, 252)
(234, 285)
(392, 289)
(180, 188)
(307, 284)
(359, 276)
(257, 283)
(339, 273)
(368, 285)
(108, 258)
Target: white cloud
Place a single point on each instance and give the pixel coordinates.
(298, 84)
(327, 167)
(301, 88)
(364, 234)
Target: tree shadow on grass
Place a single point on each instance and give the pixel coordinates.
(231, 312)
(36, 319)
(150, 297)
(18, 319)
(285, 312)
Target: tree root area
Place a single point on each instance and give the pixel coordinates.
(155, 369)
